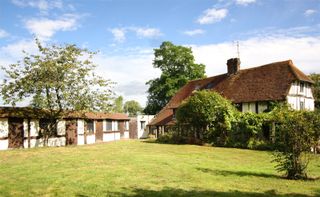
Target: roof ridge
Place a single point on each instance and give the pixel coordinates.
(293, 70)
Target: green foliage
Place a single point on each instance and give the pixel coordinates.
(207, 115)
(314, 121)
(132, 107)
(316, 89)
(57, 78)
(295, 137)
(118, 105)
(177, 66)
(247, 131)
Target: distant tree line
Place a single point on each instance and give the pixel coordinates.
(132, 107)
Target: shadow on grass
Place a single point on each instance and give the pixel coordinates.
(246, 173)
(237, 173)
(180, 192)
(154, 141)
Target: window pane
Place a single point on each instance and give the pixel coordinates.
(143, 124)
(90, 126)
(48, 127)
(301, 87)
(109, 125)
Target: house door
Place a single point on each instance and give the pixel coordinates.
(121, 128)
(133, 129)
(15, 132)
(99, 130)
(71, 132)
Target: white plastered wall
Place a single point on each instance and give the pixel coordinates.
(4, 132)
(143, 132)
(34, 132)
(80, 131)
(297, 95)
(112, 136)
(249, 107)
(91, 139)
(61, 127)
(126, 135)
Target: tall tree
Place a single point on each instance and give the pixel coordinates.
(178, 67)
(118, 104)
(316, 89)
(57, 78)
(132, 107)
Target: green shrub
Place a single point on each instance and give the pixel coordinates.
(207, 116)
(295, 137)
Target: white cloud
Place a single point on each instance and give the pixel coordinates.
(245, 2)
(3, 33)
(119, 34)
(212, 16)
(13, 52)
(146, 32)
(45, 28)
(42, 5)
(194, 32)
(309, 12)
(129, 71)
(132, 68)
(261, 50)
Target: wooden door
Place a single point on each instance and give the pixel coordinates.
(99, 130)
(133, 128)
(15, 133)
(71, 132)
(121, 128)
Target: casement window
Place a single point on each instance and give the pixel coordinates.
(302, 105)
(48, 127)
(126, 125)
(89, 126)
(301, 87)
(109, 125)
(142, 125)
(115, 126)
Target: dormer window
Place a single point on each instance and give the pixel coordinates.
(301, 87)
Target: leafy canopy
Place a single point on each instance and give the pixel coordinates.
(208, 113)
(295, 135)
(178, 67)
(118, 104)
(57, 78)
(132, 107)
(316, 89)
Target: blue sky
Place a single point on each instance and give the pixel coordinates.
(125, 32)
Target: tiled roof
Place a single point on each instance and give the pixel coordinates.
(28, 112)
(269, 82)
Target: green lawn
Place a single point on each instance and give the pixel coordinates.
(135, 168)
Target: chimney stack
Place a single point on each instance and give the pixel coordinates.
(233, 65)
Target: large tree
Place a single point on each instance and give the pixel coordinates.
(178, 67)
(118, 105)
(57, 78)
(316, 89)
(132, 107)
(206, 115)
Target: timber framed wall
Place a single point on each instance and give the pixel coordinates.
(20, 130)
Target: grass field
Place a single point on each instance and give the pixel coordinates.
(135, 168)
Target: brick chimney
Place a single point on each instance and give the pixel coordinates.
(233, 65)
